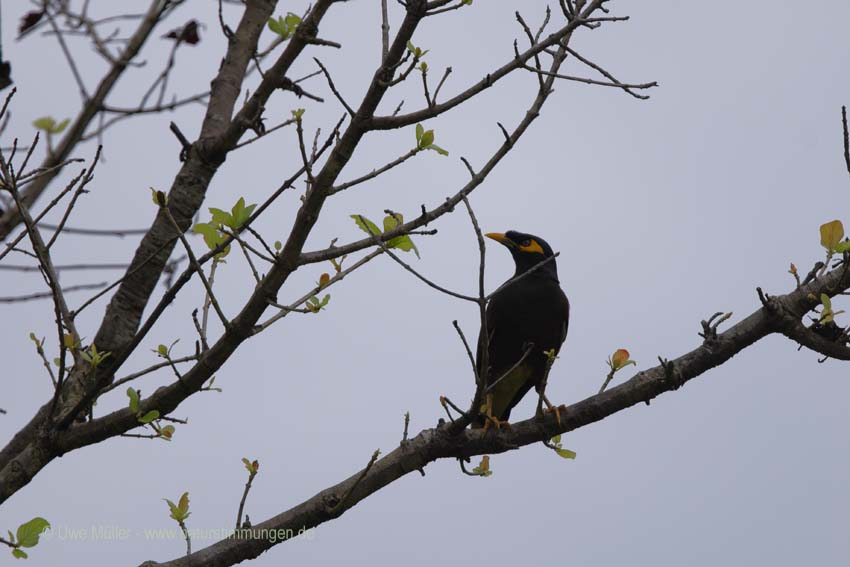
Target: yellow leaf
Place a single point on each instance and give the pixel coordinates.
(831, 234)
(621, 356)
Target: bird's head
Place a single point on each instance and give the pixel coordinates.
(528, 251)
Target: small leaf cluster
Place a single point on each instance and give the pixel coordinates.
(483, 468)
(391, 221)
(180, 511)
(425, 140)
(48, 124)
(417, 52)
(159, 198)
(214, 230)
(150, 417)
(619, 360)
(555, 445)
(827, 315)
(95, 357)
(252, 466)
(832, 238)
(70, 341)
(27, 535)
(314, 304)
(284, 26)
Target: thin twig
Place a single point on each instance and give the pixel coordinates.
(338, 507)
(615, 84)
(148, 370)
(385, 31)
(335, 278)
(49, 294)
(80, 190)
(374, 173)
(333, 87)
(194, 261)
(410, 268)
(251, 476)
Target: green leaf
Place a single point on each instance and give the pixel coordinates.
(826, 301)
(419, 131)
(61, 126)
(278, 245)
(556, 440)
(241, 213)
(437, 149)
(247, 464)
(212, 237)
(843, 247)
(220, 217)
(366, 225)
(175, 512)
(566, 453)
(831, 234)
(27, 534)
(179, 511)
(410, 47)
(46, 123)
(278, 26)
(19, 553)
(427, 139)
(292, 20)
(149, 417)
(183, 504)
(162, 350)
(167, 432)
(404, 243)
(210, 233)
(69, 340)
(392, 221)
(133, 394)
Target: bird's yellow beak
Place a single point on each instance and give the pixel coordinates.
(499, 237)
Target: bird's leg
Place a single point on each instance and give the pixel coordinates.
(488, 414)
(551, 355)
(549, 407)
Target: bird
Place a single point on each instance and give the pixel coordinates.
(526, 323)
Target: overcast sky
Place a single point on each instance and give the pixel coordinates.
(664, 212)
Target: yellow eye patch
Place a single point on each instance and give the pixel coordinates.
(533, 246)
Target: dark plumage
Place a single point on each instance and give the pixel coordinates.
(533, 309)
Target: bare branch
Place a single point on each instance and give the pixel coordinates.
(374, 173)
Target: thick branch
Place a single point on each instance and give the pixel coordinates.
(433, 444)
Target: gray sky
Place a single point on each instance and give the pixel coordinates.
(664, 211)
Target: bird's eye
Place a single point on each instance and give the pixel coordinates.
(526, 242)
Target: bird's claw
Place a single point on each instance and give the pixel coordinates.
(489, 418)
(551, 408)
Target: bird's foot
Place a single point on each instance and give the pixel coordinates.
(495, 422)
(489, 418)
(550, 408)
